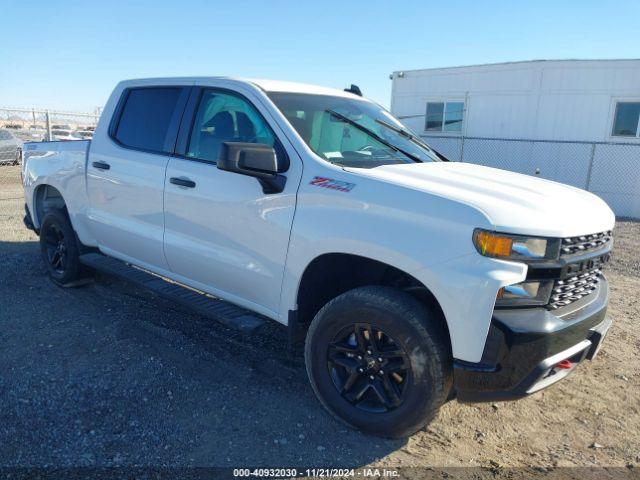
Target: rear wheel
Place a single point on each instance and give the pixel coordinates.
(379, 360)
(60, 250)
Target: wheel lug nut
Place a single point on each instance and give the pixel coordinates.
(371, 377)
(381, 372)
(380, 359)
(368, 352)
(359, 357)
(361, 370)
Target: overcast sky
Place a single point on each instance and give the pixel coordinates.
(69, 54)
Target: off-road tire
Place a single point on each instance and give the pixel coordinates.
(71, 273)
(414, 327)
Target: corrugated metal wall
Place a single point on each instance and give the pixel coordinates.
(545, 100)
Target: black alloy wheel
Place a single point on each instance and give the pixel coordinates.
(60, 250)
(56, 248)
(369, 369)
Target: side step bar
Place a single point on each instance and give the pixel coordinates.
(228, 314)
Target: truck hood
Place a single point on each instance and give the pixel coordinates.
(512, 202)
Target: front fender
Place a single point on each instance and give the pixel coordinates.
(425, 236)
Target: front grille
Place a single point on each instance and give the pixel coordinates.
(574, 288)
(585, 243)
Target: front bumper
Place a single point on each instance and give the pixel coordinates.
(524, 347)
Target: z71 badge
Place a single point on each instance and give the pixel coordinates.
(332, 184)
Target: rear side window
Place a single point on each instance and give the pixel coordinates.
(146, 116)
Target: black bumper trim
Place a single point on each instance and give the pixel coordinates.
(523, 345)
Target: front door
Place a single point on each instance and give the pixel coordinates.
(223, 234)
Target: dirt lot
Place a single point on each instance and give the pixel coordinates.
(108, 375)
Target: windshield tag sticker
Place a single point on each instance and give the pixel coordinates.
(332, 184)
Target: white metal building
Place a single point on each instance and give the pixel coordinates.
(575, 121)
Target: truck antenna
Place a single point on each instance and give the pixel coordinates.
(354, 89)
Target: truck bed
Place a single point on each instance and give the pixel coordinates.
(60, 165)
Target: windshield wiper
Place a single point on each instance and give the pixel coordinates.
(404, 133)
(374, 135)
(417, 140)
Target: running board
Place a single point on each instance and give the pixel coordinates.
(228, 314)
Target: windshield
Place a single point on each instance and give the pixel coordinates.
(351, 132)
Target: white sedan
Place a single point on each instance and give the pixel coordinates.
(64, 135)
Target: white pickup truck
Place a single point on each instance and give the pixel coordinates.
(410, 279)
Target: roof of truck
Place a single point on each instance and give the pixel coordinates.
(264, 84)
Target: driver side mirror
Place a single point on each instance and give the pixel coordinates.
(254, 160)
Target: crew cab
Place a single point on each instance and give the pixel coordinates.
(411, 280)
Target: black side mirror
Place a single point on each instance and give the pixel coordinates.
(254, 160)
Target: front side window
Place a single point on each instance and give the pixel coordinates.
(444, 116)
(626, 122)
(146, 116)
(350, 131)
(224, 117)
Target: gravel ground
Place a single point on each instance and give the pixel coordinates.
(108, 375)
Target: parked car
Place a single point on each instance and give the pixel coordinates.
(37, 132)
(64, 135)
(84, 134)
(9, 147)
(410, 279)
(61, 126)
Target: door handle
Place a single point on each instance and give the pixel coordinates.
(101, 165)
(183, 182)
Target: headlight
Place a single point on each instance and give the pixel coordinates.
(533, 293)
(515, 247)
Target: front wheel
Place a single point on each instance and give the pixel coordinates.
(379, 360)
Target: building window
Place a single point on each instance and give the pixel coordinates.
(444, 116)
(626, 122)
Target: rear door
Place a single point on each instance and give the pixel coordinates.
(125, 173)
(223, 234)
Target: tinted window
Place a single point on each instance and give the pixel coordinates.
(453, 117)
(435, 112)
(145, 118)
(626, 120)
(223, 117)
(4, 135)
(444, 116)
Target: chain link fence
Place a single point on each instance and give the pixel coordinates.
(33, 125)
(20, 125)
(610, 170)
